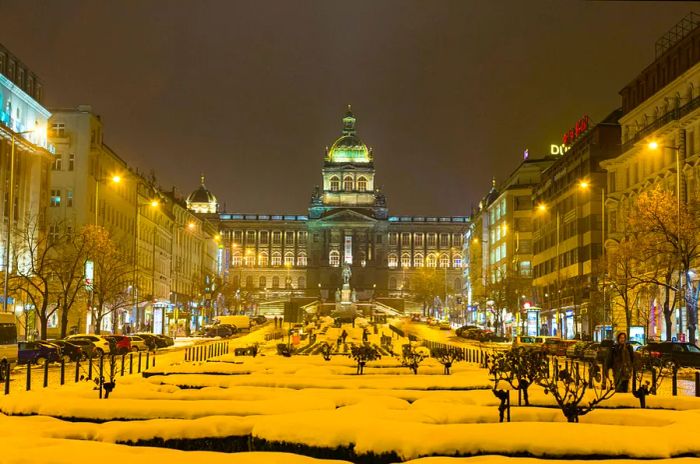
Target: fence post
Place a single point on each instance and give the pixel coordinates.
(187, 352)
(674, 382)
(131, 363)
(139, 368)
(556, 370)
(77, 371)
(90, 367)
(147, 361)
(154, 360)
(7, 378)
(46, 373)
(63, 371)
(101, 379)
(29, 375)
(123, 358)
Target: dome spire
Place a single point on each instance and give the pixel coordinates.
(201, 178)
(349, 122)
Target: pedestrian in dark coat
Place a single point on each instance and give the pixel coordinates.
(621, 360)
(344, 335)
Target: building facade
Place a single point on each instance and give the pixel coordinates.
(347, 223)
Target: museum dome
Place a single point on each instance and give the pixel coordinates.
(348, 148)
(202, 200)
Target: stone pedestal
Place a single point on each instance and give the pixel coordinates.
(346, 295)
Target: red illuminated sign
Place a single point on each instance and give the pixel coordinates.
(572, 134)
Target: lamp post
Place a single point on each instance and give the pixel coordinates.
(654, 146)
(10, 216)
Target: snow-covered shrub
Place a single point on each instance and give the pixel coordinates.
(411, 356)
(519, 368)
(447, 356)
(362, 354)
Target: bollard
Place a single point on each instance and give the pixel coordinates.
(147, 360)
(63, 371)
(102, 379)
(29, 376)
(46, 373)
(131, 363)
(7, 378)
(123, 358)
(154, 360)
(674, 382)
(90, 367)
(139, 368)
(77, 371)
(187, 352)
(556, 370)
(697, 383)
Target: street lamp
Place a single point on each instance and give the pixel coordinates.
(10, 217)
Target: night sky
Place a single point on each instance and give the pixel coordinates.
(447, 93)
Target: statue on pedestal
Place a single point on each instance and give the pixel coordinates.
(337, 295)
(347, 272)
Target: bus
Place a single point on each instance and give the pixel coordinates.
(8, 341)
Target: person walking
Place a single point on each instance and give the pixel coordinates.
(344, 335)
(621, 360)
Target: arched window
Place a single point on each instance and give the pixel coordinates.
(457, 261)
(275, 282)
(249, 282)
(392, 283)
(334, 258)
(263, 259)
(249, 259)
(348, 184)
(301, 282)
(362, 184)
(431, 261)
(392, 260)
(444, 261)
(276, 258)
(236, 259)
(405, 260)
(289, 259)
(335, 184)
(418, 260)
(302, 260)
(262, 282)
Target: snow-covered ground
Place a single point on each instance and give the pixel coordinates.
(319, 408)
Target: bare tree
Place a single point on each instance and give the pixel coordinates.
(623, 278)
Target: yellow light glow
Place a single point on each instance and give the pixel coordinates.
(116, 179)
(583, 184)
(191, 225)
(541, 207)
(217, 237)
(154, 203)
(653, 145)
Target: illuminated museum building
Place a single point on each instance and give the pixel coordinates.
(347, 222)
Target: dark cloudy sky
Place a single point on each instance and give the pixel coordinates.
(448, 93)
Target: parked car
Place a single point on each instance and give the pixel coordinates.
(444, 326)
(165, 340)
(524, 341)
(70, 351)
(37, 353)
(259, 320)
(122, 343)
(138, 343)
(673, 354)
(87, 347)
(150, 340)
(102, 345)
(576, 350)
(460, 331)
(557, 346)
(219, 330)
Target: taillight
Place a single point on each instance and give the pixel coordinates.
(655, 354)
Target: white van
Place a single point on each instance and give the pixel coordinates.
(239, 322)
(8, 341)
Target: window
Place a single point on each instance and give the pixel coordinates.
(379, 239)
(236, 259)
(457, 261)
(444, 240)
(393, 237)
(334, 258)
(525, 268)
(58, 130)
(348, 184)
(444, 261)
(457, 239)
(71, 162)
(55, 198)
(289, 237)
(276, 237)
(237, 236)
(418, 240)
(250, 237)
(57, 163)
(431, 239)
(276, 258)
(289, 259)
(392, 260)
(301, 282)
(302, 260)
(418, 260)
(263, 259)
(275, 282)
(431, 261)
(405, 239)
(362, 184)
(263, 237)
(53, 233)
(69, 198)
(405, 260)
(249, 259)
(262, 282)
(303, 237)
(335, 184)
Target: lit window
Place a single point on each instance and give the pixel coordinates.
(301, 261)
(289, 259)
(405, 239)
(53, 233)
(444, 240)
(362, 184)
(263, 237)
(276, 237)
(392, 261)
(431, 239)
(289, 237)
(405, 260)
(457, 261)
(348, 184)
(263, 259)
(418, 260)
(335, 184)
(444, 261)
(276, 258)
(431, 261)
(58, 130)
(250, 237)
(334, 258)
(55, 198)
(418, 240)
(57, 163)
(236, 259)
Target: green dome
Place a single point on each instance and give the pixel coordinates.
(348, 148)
